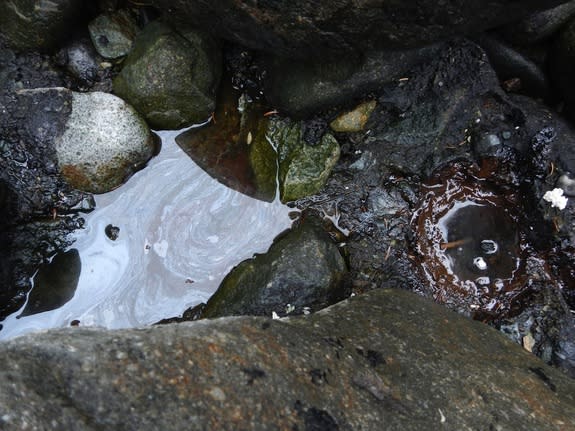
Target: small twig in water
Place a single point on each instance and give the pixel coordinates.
(453, 244)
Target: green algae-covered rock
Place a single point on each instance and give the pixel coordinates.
(301, 269)
(263, 159)
(303, 168)
(169, 78)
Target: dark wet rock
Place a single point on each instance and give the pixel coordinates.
(39, 207)
(243, 147)
(171, 79)
(28, 24)
(54, 284)
(104, 142)
(81, 61)
(511, 64)
(562, 64)
(426, 119)
(452, 109)
(302, 271)
(386, 357)
(113, 34)
(303, 168)
(538, 26)
(112, 232)
(304, 28)
(302, 87)
(233, 147)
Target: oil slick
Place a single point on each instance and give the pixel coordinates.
(175, 224)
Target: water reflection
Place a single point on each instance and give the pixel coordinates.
(178, 234)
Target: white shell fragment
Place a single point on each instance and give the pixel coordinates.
(556, 198)
(480, 263)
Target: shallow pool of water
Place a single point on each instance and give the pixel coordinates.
(180, 232)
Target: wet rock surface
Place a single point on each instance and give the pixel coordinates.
(387, 358)
(303, 168)
(458, 111)
(41, 25)
(169, 78)
(113, 34)
(303, 271)
(302, 28)
(303, 87)
(39, 207)
(249, 148)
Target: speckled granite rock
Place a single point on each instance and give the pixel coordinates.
(104, 142)
(384, 360)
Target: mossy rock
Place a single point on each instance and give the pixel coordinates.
(169, 78)
(303, 169)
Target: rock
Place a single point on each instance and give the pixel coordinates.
(538, 26)
(303, 168)
(305, 28)
(355, 120)
(42, 25)
(81, 61)
(233, 148)
(511, 64)
(54, 284)
(243, 148)
(300, 88)
(386, 357)
(39, 207)
(302, 270)
(169, 78)
(423, 121)
(104, 142)
(113, 34)
(562, 65)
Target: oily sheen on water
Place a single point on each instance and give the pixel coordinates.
(180, 233)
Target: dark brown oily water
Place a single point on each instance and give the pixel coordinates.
(469, 243)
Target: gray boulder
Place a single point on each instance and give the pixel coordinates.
(386, 360)
(104, 142)
(169, 78)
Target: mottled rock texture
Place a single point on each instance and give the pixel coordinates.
(384, 360)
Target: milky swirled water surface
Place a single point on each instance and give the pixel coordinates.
(180, 233)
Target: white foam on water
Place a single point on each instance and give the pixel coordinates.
(181, 232)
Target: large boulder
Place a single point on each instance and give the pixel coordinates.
(302, 27)
(104, 142)
(384, 360)
(169, 78)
